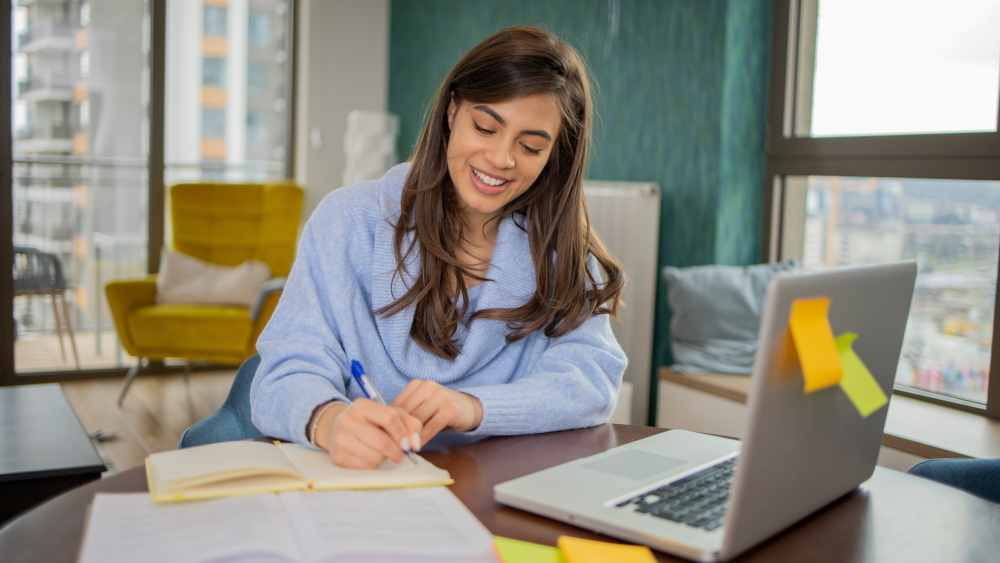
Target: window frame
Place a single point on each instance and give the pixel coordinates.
(954, 156)
(155, 166)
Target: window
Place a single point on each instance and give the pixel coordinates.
(905, 67)
(83, 115)
(883, 146)
(257, 78)
(84, 60)
(214, 21)
(258, 29)
(99, 207)
(257, 127)
(213, 123)
(250, 145)
(213, 72)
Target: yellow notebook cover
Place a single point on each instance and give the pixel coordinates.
(239, 468)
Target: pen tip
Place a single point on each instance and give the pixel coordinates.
(356, 368)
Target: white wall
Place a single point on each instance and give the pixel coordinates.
(343, 65)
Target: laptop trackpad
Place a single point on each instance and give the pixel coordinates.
(635, 464)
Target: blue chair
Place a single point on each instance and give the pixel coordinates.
(980, 477)
(232, 421)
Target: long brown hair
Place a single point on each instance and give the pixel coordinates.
(515, 62)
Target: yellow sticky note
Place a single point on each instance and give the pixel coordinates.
(858, 383)
(578, 550)
(814, 344)
(517, 551)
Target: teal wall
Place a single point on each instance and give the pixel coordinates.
(681, 100)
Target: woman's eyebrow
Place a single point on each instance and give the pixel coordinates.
(503, 122)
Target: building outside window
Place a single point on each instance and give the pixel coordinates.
(213, 123)
(215, 21)
(259, 29)
(213, 72)
(257, 77)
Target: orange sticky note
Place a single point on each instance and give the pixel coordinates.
(858, 383)
(814, 344)
(577, 550)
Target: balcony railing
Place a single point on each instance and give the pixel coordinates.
(46, 132)
(41, 30)
(32, 84)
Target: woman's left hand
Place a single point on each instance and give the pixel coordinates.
(438, 408)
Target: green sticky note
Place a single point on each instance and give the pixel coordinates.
(517, 551)
(857, 382)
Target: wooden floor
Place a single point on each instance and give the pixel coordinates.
(156, 411)
(35, 352)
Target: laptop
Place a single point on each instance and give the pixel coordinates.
(708, 498)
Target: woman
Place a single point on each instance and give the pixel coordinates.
(468, 283)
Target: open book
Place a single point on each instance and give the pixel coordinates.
(414, 524)
(236, 468)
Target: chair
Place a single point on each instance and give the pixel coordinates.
(232, 421)
(224, 224)
(40, 273)
(979, 477)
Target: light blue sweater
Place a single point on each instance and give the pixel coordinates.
(344, 272)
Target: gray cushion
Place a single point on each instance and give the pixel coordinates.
(717, 313)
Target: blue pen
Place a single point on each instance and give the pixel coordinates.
(368, 388)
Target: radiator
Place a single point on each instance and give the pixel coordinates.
(626, 215)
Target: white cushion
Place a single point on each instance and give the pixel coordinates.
(185, 279)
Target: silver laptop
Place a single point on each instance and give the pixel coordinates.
(705, 498)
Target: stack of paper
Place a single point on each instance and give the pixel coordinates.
(421, 524)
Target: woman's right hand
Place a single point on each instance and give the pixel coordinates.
(363, 434)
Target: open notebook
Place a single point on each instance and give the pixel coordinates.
(236, 468)
(415, 524)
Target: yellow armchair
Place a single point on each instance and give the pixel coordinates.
(224, 224)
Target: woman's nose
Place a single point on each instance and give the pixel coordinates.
(502, 155)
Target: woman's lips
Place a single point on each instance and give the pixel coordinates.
(484, 187)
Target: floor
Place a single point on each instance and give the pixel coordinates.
(34, 352)
(156, 411)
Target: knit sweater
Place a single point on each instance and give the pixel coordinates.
(344, 271)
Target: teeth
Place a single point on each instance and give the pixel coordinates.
(487, 180)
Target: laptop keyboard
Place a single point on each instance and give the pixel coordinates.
(697, 500)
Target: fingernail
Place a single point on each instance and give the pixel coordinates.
(405, 443)
(416, 441)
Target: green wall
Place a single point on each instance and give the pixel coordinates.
(682, 101)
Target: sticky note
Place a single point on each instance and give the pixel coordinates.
(577, 550)
(814, 344)
(517, 551)
(858, 383)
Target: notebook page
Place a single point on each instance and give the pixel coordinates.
(131, 527)
(319, 468)
(425, 523)
(199, 465)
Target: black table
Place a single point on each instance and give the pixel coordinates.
(44, 450)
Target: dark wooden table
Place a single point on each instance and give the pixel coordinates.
(891, 517)
(43, 449)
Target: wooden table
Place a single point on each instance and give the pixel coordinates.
(891, 517)
(43, 449)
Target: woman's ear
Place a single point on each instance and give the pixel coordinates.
(452, 110)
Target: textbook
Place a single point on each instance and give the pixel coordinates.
(239, 468)
(426, 524)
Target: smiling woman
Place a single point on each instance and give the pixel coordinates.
(480, 252)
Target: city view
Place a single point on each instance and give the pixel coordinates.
(952, 230)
